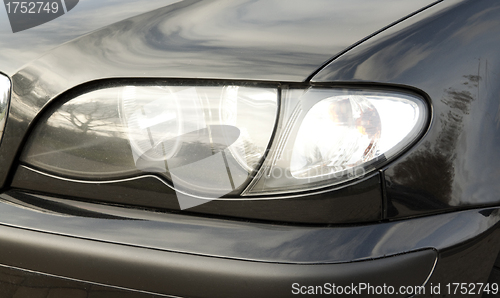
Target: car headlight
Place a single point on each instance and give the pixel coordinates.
(209, 141)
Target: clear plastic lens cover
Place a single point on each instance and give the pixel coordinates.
(207, 140)
(329, 136)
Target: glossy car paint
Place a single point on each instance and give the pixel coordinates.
(242, 240)
(100, 244)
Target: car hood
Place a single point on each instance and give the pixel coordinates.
(273, 40)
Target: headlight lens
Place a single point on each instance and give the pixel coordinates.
(4, 101)
(330, 136)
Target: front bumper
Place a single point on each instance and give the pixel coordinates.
(140, 251)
